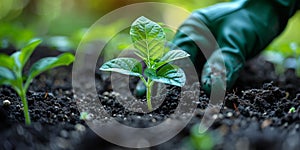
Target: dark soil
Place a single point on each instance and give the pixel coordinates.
(255, 114)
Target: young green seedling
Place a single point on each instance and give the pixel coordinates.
(11, 70)
(292, 110)
(198, 140)
(85, 116)
(149, 40)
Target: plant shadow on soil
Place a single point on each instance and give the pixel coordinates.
(254, 115)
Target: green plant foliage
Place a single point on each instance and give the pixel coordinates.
(11, 70)
(149, 40)
(284, 56)
(85, 116)
(14, 34)
(127, 66)
(200, 141)
(292, 110)
(169, 74)
(203, 141)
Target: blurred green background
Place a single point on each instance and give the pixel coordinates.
(63, 22)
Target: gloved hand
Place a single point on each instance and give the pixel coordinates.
(241, 28)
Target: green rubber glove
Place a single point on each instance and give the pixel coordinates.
(241, 28)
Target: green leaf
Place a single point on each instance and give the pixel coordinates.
(21, 57)
(127, 66)
(6, 61)
(48, 63)
(149, 38)
(6, 76)
(16, 57)
(28, 50)
(174, 55)
(169, 74)
(149, 72)
(171, 56)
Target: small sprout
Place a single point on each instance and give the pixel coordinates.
(6, 103)
(198, 140)
(149, 40)
(85, 116)
(11, 70)
(292, 110)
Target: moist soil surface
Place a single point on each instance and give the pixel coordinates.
(254, 115)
